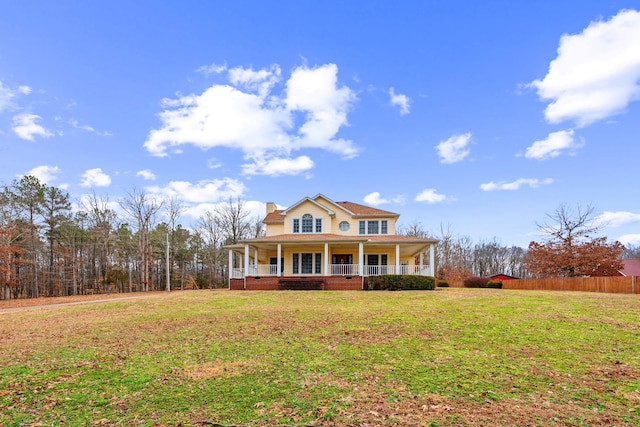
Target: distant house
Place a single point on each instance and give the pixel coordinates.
(317, 243)
(631, 267)
(502, 277)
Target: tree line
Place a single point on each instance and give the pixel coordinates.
(49, 249)
(570, 247)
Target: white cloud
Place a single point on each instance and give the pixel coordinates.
(454, 149)
(77, 125)
(430, 195)
(315, 91)
(596, 72)
(261, 81)
(206, 191)
(74, 123)
(278, 166)
(95, 178)
(374, 199)
(146, 174)
(7, 95)
(553, 146)
(25, 126)
(246, 115)
(212, 69)
(213, 163)
(515, 185)
(629, 239)
(45, 174)
(401, 101)
(617, 219)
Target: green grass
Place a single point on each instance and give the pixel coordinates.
(433, 358)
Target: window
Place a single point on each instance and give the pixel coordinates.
(294, 263)
(373, 227)
(344, 226)
(306, 263)
(307, 224)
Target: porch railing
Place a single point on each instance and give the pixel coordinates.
(337, 270)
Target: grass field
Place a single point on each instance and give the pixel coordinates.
(432, 358)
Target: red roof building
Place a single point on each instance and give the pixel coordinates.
(631, 267)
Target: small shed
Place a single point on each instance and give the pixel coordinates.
(631, 267)
(502, 277)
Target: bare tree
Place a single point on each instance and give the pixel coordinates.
(631, 252)
(174, 210)
(233, 219)
(143, 210)
(453, 255)
(414, 229)
(568, 225)
(102, 221)
(210, 232)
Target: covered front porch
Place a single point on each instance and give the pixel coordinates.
(335, 263)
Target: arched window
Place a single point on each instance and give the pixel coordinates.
(307, 223)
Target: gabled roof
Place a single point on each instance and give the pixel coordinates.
(308, 199)
(354, 209)
(359, 210)
(631, 267)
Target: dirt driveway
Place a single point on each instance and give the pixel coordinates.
(27, 303)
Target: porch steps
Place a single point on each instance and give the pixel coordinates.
(301, 284)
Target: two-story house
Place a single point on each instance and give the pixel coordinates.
(320, 244)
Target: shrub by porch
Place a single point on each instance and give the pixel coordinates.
(396, 282)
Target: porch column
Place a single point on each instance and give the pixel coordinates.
(360, 259)
(326, 259)
(279, 255)
(255, 260)
(421, 261)
(230, 266)
(398, 259)
(246, 260)
(432, 261)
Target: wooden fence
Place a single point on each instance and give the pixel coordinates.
(613, 284)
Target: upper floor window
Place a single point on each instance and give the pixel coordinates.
(373, 226)
(307, 224)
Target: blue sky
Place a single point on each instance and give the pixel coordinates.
(480, 117)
